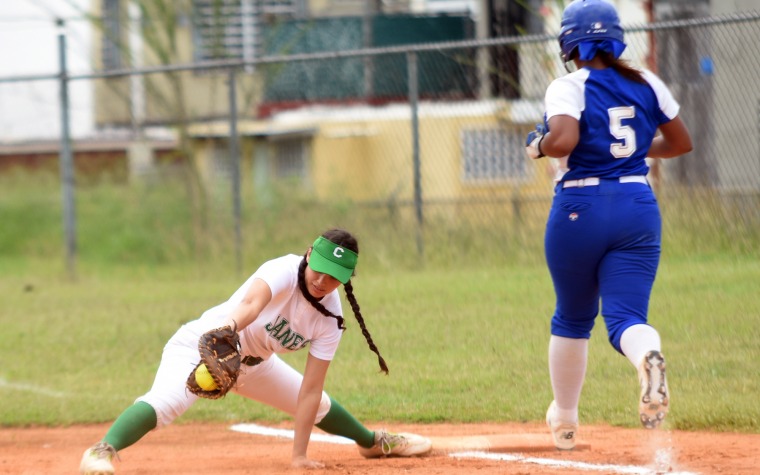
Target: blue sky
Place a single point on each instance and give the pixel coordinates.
(29, 46)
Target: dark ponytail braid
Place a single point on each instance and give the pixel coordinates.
(344, 239)
(358, 315)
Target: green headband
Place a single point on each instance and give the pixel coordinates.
(332, 259)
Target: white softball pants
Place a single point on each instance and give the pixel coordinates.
(272, 382)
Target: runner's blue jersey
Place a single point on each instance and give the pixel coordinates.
(618, 119)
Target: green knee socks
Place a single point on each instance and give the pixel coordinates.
(136, 421)
(339, 421)
(140, 418)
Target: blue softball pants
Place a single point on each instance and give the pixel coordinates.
(602, 243)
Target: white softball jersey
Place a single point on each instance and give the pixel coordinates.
(288, 323)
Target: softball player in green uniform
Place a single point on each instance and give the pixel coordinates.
(289, 303)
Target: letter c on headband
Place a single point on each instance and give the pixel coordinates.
(338, 252)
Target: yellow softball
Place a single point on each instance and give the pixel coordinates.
(204, 379)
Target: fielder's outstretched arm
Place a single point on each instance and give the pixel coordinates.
(257, 297)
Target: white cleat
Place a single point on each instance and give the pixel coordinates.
(97, 460)
(655, 397)
(396, 445)
(563, 433)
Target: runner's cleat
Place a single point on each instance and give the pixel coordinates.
(655, 397)
(563, 433)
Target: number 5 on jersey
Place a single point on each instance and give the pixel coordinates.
(627, 147)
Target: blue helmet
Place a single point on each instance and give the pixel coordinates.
(588, 20)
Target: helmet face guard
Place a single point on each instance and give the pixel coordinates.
(588, 21)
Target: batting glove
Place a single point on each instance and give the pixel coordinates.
(533, 142)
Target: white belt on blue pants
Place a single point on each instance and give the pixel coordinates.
(594, 181)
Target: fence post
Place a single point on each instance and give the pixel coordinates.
(66, 160)
(411, 66)
(235, 175)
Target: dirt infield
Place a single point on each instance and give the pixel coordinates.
(215, 449)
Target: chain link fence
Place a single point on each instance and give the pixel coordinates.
(419, 149)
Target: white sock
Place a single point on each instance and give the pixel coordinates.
(567, 369)
(638, 340)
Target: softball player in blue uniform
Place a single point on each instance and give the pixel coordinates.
(603, 232)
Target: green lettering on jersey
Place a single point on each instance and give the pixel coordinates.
(281, 332)
(285, 337)
(298, 342)
(279, 324)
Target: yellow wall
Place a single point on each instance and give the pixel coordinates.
(365, 166)
(378, 165)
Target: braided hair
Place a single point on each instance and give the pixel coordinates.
(344, 239)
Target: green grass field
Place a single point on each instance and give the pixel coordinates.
(461, 345)
(464, 333)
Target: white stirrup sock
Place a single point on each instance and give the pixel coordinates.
(567, 369)
(637, 340)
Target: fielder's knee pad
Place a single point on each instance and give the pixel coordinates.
(324, 408)
(167, 407)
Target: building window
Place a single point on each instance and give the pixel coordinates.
(230, 29)
(111, 52)
(290, 158)
(221, 162)
(493, 154)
